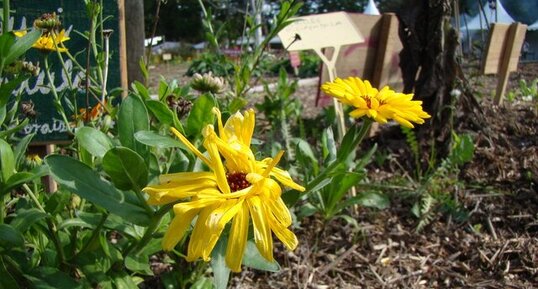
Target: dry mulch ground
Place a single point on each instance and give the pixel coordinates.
(496, 246)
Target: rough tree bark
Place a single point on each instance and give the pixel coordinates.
(430, 68)
(134, 26)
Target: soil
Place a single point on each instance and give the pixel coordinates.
(494, 246)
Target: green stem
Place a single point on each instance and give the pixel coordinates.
(94, 235)
(55, 94)
(154, 224)
(2, 204)
(5, 20)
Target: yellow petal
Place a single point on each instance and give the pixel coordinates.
(237, 241)
(203, 239)
(279, 211)
(218, 167)
(190, 146)
(224, 213)
(262, 232)
(177, 229)
(286, 236)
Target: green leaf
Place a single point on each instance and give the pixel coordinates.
(83, 181)
(57, 202)
(369, 199)
(221, 272)
(202, 283)
(164, 114)
(139, 264)
(126, 168)
(10, 238)
(21, 148)
(94, 141)
(161, 111)
(24, 219)
(254, 259)
(163, 88)
(141, 90)
(6, 42)
(339, 187)
(7, 161)
(6, 133)
(462, 150)
(2, 113)
(124, 281)
(153, 139)
(53, 278)
(133, 117)
(21, 45)
(201, 114)
(8, 281)
(23, 177)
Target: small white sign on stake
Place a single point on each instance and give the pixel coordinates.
(322, 31)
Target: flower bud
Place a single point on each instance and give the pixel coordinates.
(48, 22)
(208, 83)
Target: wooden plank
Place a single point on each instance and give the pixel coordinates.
(519, 38)
(388, 40)
(495, 46)
(510, 58)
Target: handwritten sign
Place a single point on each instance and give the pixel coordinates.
(69, 82)
(319, 31)
(376, 59)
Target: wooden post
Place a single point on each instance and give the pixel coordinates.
(123, 48)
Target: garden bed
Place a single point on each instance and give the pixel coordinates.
(495, 246)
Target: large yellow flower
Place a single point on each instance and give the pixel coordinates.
(237, 190)
(49, 41)
(380, 105)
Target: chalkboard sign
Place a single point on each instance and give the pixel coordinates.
(47, 123)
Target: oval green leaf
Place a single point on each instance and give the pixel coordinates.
(126, 168)
(94, 141)
(83, 181)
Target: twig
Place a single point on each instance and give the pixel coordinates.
(338, 260)
(377, 275)
(415, 273)
(491, 228)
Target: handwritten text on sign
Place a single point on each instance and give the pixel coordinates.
(319, 31)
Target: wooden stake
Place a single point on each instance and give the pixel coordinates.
(123, 48)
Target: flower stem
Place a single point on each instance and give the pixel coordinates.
(94, 235)
(51, 226)
(57, 100)
(154, 224)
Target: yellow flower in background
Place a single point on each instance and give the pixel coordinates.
(49, 41)
(236, 190)
(380, 105)
(52, 41)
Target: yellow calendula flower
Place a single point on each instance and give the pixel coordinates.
(380, 105)
(49, 41)
(237, 190)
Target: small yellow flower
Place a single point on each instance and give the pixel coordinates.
(380, 105)
(237, 191)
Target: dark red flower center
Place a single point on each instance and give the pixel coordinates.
(237, 181)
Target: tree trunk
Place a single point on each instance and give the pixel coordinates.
(134, 26)
(430, 68)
